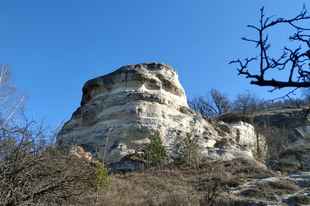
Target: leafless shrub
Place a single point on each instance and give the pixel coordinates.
(11, 100)
(283, 187)
(277, 138)
(33, 170)
(215, 184)
(295, 158)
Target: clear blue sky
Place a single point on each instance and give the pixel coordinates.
(55, 46)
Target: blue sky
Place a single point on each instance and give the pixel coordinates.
(55, 46)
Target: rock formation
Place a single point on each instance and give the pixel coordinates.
(299, 182)
(120, 110)
(290, 138)
(244, 134)
(296, 120)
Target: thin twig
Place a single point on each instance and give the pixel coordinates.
(102, 167)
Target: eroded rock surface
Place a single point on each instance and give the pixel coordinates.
(244, 134)
(295, 120)
(289, 134)
(120, 110)
(291, 190)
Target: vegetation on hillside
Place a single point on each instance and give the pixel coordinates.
(154, 153)
(34, 170)
(189, 151)
(246, 102)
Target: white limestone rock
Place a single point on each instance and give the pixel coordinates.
(295, 120)
(228, 149)
(120, 110)
(243, 134)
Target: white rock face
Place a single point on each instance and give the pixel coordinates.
(244, 134)
(120, 110)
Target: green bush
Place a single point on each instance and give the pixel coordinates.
(162, 187)
(155, 152)
(189, 151)
(99, 175)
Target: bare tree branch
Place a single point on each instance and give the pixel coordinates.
(295, 61)
(213, 104)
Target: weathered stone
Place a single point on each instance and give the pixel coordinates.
(298, 199)
(243, 134)
(296, 120)
(81, 153)
(120, 110)
(227, 149)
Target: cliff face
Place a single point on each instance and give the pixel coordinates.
(120, 110)
(287, 132)
(295, 120)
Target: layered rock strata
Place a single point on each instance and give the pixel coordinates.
(120, 110)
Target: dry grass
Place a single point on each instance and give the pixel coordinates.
(175, 185)
(158, 186)
(271, 190)
(295, 158)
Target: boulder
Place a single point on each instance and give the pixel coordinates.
(120, 110)
(80, 153)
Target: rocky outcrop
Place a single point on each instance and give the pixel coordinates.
(291, 190)
(120, 110)
(296, 120)
(287, 132)
(244, 134)
(80, 153)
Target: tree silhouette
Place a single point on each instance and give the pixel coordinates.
(295, 61)
(212, 104)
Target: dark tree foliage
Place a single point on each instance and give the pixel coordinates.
(295, 61)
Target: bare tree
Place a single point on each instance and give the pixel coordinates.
(221, 103)
(10, 99)
(35, 172)
(295, 61)
(199, 104)
(246, 101)
(213, 104)
(306, 95)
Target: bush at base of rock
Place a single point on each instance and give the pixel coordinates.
(189, 151)
(99, 175)
(155, 152)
